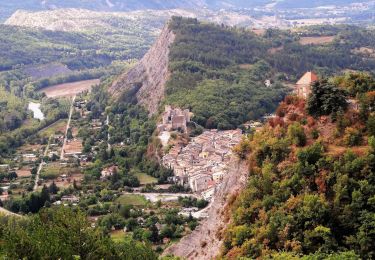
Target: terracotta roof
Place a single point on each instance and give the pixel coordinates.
(308, 78)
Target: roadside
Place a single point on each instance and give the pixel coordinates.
(154, 197)
(67, 127)
(40, 167)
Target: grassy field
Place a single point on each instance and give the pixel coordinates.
(132, 199)
(50, 172)
(54, 170)
(145, 179)
(59, 126)
(316, 40)
(118, 235)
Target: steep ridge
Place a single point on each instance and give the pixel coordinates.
(147, 79)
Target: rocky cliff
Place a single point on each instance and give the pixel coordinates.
(147, 79)
(205, 241)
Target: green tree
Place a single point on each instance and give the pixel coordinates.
(371, 125)
(61, 233)
(325, 99)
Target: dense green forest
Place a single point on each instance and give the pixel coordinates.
(69, 56)
(206, 76)
(311, 179)
(219, 72)
(12, 111)
(63, 234)
(26, 46)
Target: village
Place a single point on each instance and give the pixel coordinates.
(58, 155)
(55, 156)
(203, 162)
(60, 158)
(62, 161)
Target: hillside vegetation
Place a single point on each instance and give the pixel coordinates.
(311, 178)
(64, 234)
(25, 52)
(219, 72)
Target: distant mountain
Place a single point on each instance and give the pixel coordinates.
(7, 8)
(290, 4)
(146, 22)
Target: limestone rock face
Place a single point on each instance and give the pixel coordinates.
(149, 76)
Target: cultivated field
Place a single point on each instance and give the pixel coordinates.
(69, 89)
(316, 40)
(132, 199)
(73, 146)
(23, 173)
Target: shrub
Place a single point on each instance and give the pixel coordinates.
(281, 110)
(297, 134)
(352, 137)
(314, 134)
(371, 125)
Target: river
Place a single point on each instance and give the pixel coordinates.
(35, 107)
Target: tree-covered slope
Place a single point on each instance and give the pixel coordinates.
(311, 178)
(218, 72)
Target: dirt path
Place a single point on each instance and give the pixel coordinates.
(37, 177)
(204, 243)
(67, 127)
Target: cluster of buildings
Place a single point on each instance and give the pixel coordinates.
(202, 164)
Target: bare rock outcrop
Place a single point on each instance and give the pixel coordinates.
(205, 241)
(149, 76)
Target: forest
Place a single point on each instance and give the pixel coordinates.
(65, 234)
(311, 182)
(218, 72)
(71, 56)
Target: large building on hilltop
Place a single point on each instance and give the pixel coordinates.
(174, 119)
(303, 86)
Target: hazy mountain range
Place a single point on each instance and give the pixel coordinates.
(8, 7)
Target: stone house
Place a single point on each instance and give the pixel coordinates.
(199, 182)
(303, 86)
(174, 119)
(109, 171)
